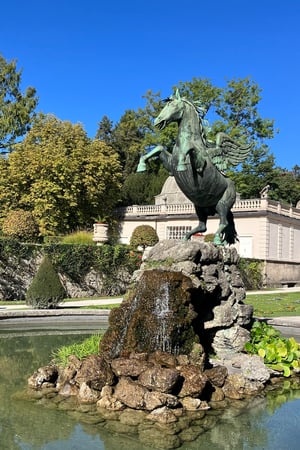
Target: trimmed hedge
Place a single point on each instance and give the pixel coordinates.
(46, 290)
(20, 224)
(143, 236)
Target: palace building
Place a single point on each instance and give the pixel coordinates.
(267, 230)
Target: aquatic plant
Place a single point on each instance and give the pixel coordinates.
(279, 353)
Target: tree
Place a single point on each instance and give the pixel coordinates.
(232, 109)
(127, 141)
(141, 188)
(143, 236)
(105, 130)
(16, 109)
(66, 180)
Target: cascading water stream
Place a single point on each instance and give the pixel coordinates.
(162, 313)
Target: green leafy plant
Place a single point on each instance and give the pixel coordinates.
(46, 289)
(279, 353)
(143, 236)
(89, 346)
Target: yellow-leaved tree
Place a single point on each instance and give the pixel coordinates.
(64, 178)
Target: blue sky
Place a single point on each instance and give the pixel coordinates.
(93, 58)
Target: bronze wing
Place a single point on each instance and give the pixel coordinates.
(228, 152)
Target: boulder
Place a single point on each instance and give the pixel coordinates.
(160, 379)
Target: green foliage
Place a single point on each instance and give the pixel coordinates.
(143, 236)
(46, 290)
(251, 273)
(233, 109)
(142, 188)
(12, 248)
(59, 174)
(279, 353)
(89, 346)
(16, 109)
(78, 237)
(73, 260)
(76, 260)
(20, 224)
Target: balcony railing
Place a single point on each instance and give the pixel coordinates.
(255, 204)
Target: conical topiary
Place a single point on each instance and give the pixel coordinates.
(46, 290)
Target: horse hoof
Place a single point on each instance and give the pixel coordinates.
(141, 167)
(217, 240)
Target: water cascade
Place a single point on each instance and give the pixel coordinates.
(185, 302)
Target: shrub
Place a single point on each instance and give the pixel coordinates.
(251, 273)
(143, 236)
(46, 289)
(20, 224)
(78, 237)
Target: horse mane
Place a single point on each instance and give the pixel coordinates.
(199, 111)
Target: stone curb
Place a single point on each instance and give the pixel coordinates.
(20, 314)
(292, 321)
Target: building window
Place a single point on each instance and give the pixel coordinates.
(178, 231)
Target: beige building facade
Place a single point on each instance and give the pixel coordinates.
(267, 230)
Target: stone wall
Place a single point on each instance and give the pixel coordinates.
(16, 275)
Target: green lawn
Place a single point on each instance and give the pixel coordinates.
(272, 305)
(265, 305)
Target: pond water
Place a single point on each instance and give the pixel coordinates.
(271, 423)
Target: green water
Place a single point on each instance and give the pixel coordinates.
(272, 423)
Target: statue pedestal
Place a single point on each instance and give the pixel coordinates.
(185, 293)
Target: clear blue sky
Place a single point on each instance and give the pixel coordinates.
(93, 58)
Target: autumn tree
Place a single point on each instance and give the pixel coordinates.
(16, 108)
(65, 179)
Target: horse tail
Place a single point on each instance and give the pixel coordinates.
(230, 234)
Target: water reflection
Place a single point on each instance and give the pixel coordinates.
(271, 423)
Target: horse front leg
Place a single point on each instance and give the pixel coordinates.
(142, 167)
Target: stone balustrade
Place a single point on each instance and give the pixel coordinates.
(255, 204)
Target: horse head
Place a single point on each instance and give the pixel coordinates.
(172, 111)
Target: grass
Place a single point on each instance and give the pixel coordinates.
(79, 237)
(111, 306)
(273, 305)
(88, 347)
(265, 304)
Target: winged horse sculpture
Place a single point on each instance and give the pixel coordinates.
(198, 165)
